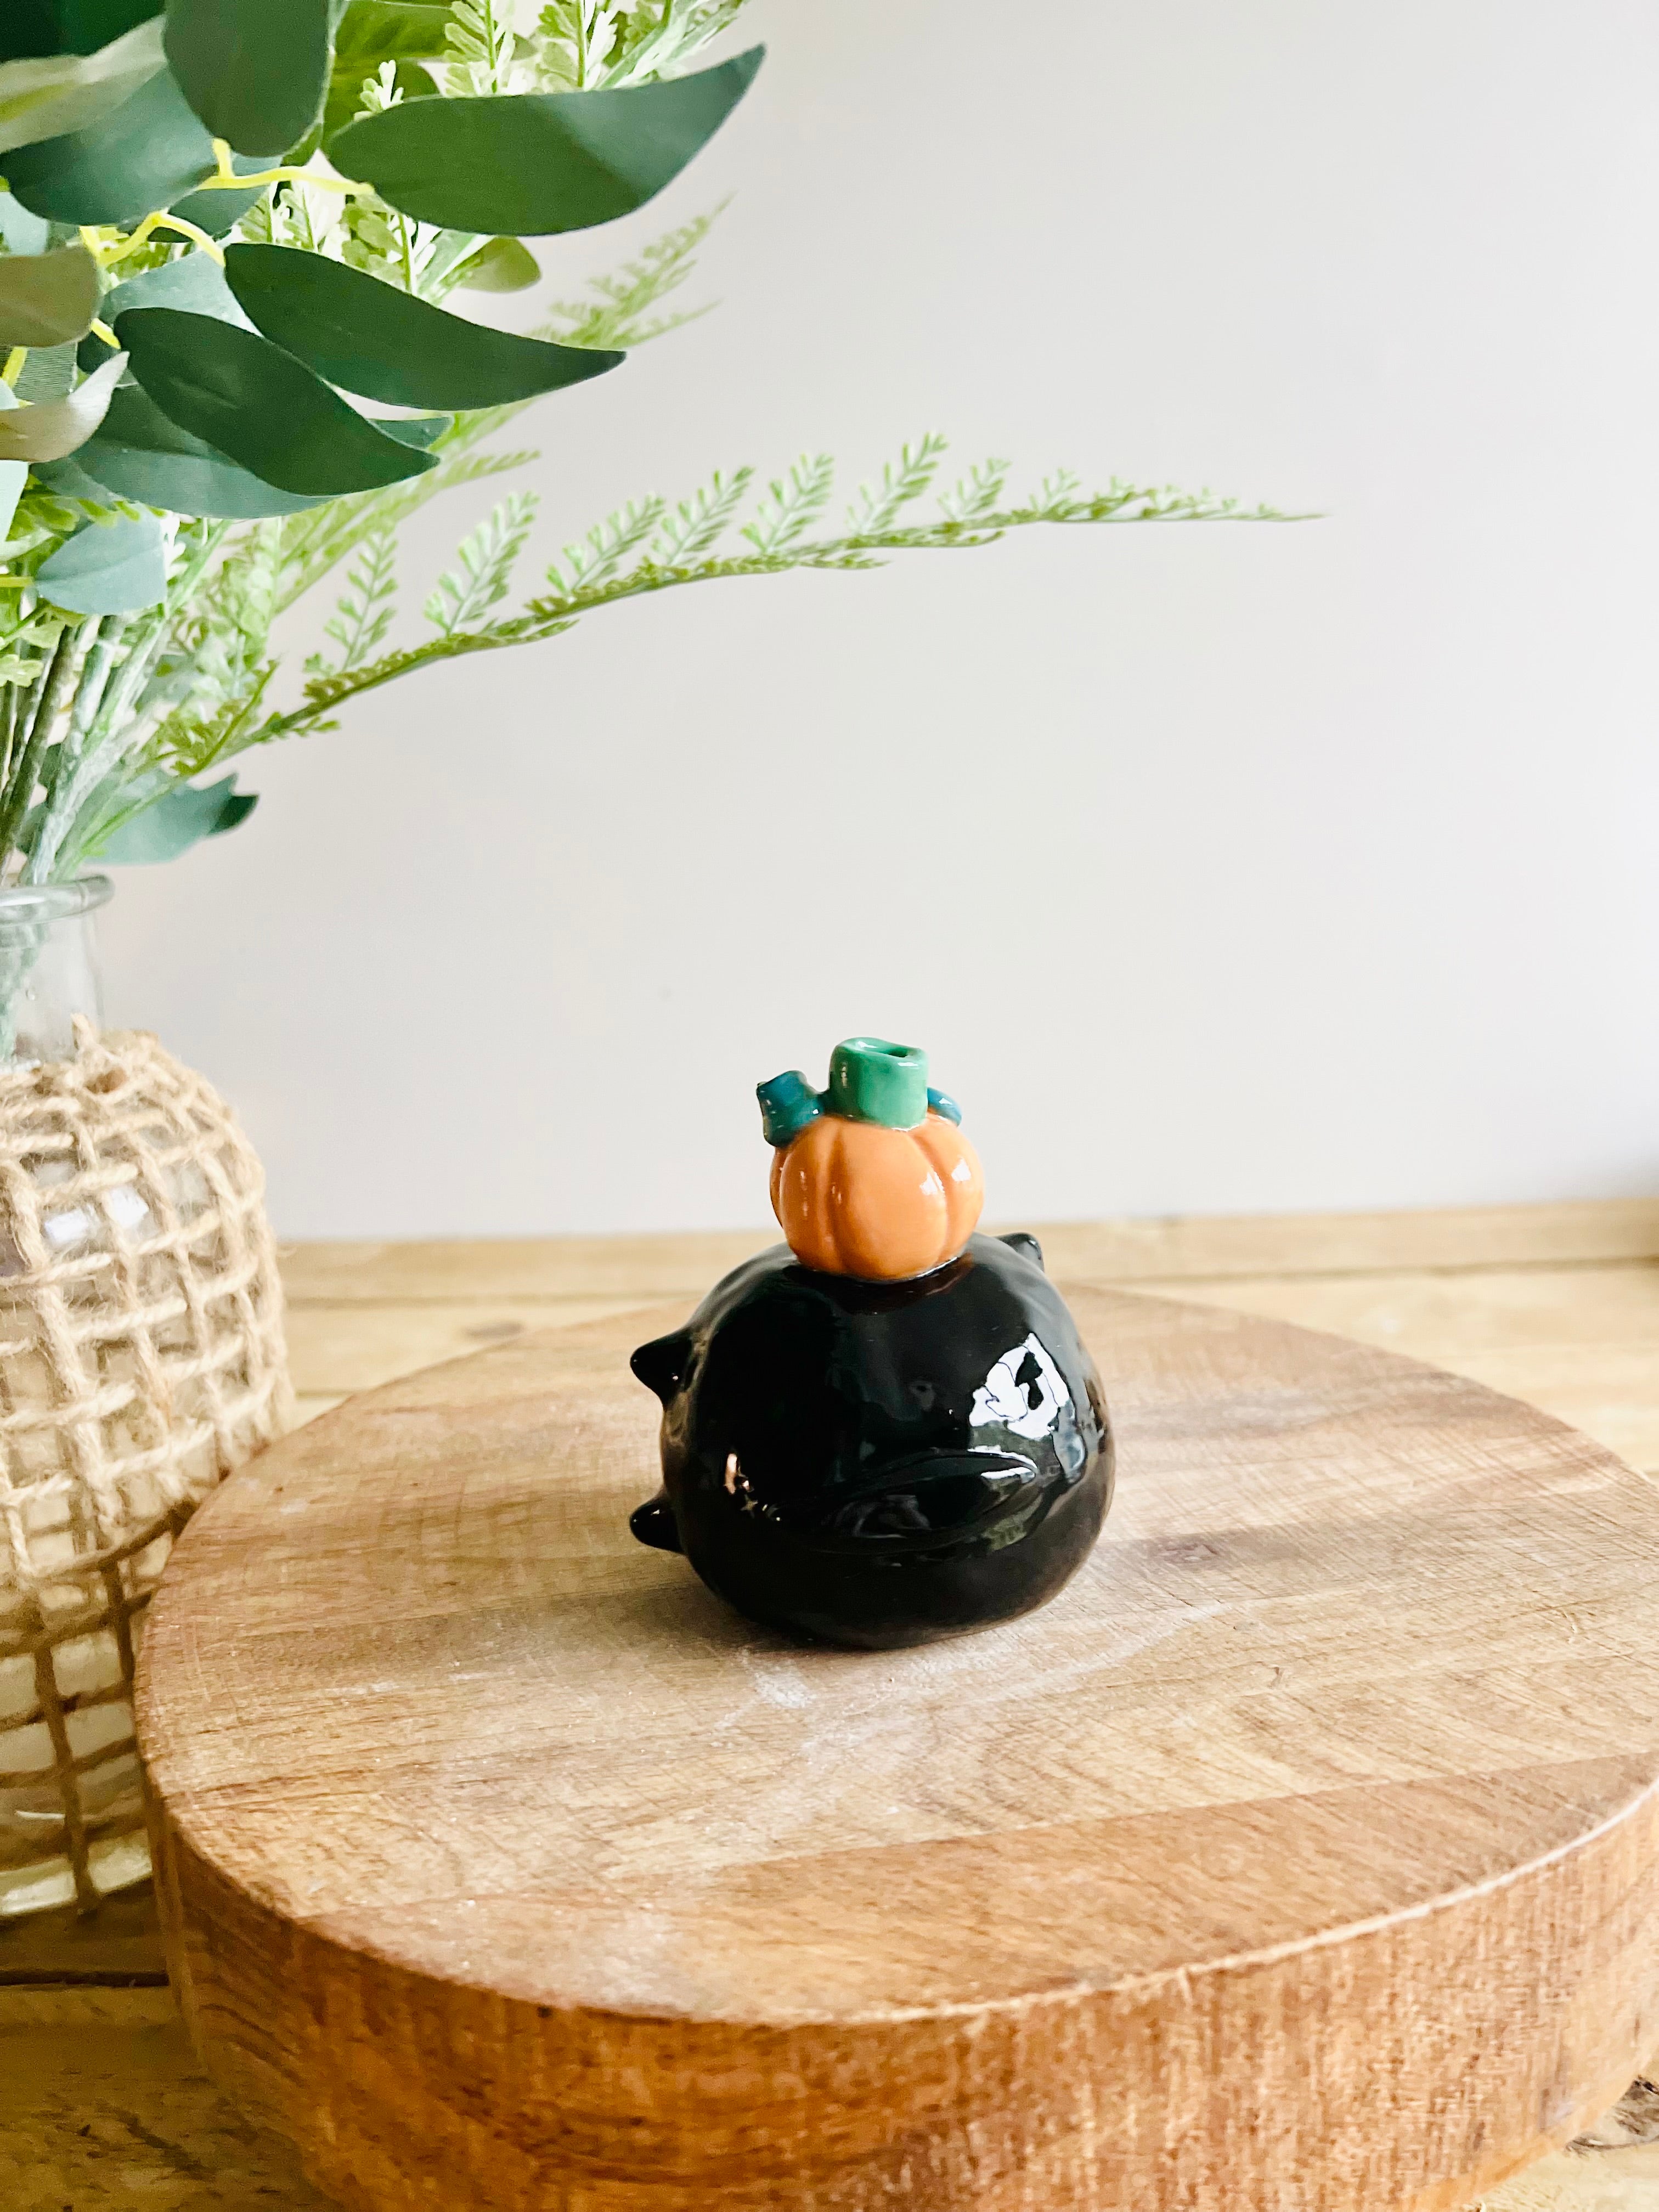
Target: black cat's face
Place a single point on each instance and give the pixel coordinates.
(818, 1430)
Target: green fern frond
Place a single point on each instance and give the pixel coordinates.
(621, 315)
(365, 610)
(901, 483)
(321, 537)
(977, 494)
(478, 46)
(698, 524)
(604, 550)
(661, 35)
(794, 506)
(486, 561)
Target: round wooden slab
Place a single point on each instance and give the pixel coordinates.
(1302, 1855)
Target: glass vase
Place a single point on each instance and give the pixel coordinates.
(141, 1360)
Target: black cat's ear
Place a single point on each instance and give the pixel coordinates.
(1023, 1242)
(661, 1364)
(653, 1523)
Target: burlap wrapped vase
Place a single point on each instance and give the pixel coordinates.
(141, 1360)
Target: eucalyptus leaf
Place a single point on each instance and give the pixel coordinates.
(171, 824)
(47, 433)
(370, 338)
(530, 163)
(259, 404)
(68, 27)
(46, 298)
(14, 475)
(108, 569)
(49, 371)
(23, 232)
(501, 264)
(194, 281)
(44, 98)
(254, 71)
(139, 454)
(147, 154)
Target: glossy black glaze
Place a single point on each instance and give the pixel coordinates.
(880, 1463)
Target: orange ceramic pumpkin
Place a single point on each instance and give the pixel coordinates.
(854, 1198)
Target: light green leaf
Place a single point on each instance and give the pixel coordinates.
(149, 152)
(531, 163)
(171, 824)
(369, 338)
(71, 92)
(47, 433)
(108, 569)
(23, 232)
(259, 406)
(254, 71)
(375, 31)
(47, 298)
(503, 265)
(140, 455)
(14, 475)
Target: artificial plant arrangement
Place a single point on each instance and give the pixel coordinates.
(238, 238)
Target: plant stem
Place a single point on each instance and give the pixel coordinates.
(49, 697)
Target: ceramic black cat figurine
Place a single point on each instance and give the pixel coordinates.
(891, 1432)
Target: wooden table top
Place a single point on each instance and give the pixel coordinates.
(1557, 1304)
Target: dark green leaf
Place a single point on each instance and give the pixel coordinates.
(373, 339)
(147, 154)
(69, 92)
(47, 432)
(194, 281)
(259, 404)
(169, 825)
(503, 265)
(535, 162)
(108, 569)
(140, 455)
(47, 298)
(254, 71)
(68, 27)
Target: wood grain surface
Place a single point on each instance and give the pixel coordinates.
(1304, 1855)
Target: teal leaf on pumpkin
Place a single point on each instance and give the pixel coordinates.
(528, 164)
(260, 406)
(254, 71)
(370, 338)
(108, 569)
(147, 154)
(171, 824)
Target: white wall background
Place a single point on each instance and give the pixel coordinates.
(1218, 868)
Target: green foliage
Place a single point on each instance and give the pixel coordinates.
(367, 338)
(257, 403)
(154, 528)
(255, 72)
(485, 563)
(531, 164)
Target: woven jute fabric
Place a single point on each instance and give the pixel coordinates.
(141, 1360)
